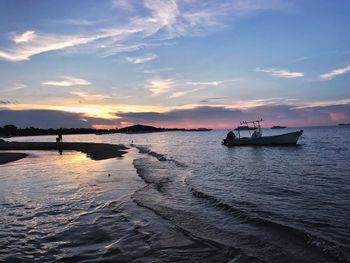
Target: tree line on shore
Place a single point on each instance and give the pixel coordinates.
(12, 130)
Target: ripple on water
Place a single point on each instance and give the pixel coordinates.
(79, 214)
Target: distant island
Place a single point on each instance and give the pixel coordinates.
(147, 129)
(244, 128)
(8, 131)
(344, 124)
(278, 127)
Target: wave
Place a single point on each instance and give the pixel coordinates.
(262, 227)
(292, 232)
(146, 150)
(160, 157)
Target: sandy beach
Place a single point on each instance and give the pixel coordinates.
(96, 151)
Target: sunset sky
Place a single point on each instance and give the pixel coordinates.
(174, 63)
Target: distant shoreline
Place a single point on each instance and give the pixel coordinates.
(9, 131)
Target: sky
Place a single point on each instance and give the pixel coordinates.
(174, 63)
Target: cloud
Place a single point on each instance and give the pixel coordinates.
(330, 75)
(25, 37)
(123, 4)
(48, 119)
(78, 22)
(89, 96)
(201, 85)
(209, 83)
(199, 116)
(67, 81)
(141, 59)
(299, 59)
(182, 93)
(121, 38)
(158, 85)
(43, 43)
(318, 104)
(281, 73)
(159, 20)
(5, 102)
(217, 117)
(210, 100)
(178, 94)
(16, 87)
(156, 70)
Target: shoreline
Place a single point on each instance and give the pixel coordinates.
(95, 151)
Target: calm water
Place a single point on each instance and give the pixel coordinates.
(181, 196)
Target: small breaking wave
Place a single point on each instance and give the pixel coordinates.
(262, 229)
(248, 213)
(160, 157)
(147, 150)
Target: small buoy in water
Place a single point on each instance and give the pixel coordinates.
(109, 174)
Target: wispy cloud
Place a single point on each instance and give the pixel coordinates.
(161, 21)
(78, 22)
(25, 37)
(142, 59)
(5, 102)
(67, 81)
(324, 103)
(182, 93)
(178, 94)
(209, 83)
(330, 75)
(299, 59)
(90, 96)
(200, 86)
(29, 44)
(16, 87)
(281, 73)
(156, 70)
(216, 117)
(123, 4)
(209, 100)
(158, 85)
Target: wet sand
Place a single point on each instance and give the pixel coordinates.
(96, 151)
(11, 157)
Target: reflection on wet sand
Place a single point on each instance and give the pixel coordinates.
(71, 208)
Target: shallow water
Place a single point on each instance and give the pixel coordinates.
(181, 196)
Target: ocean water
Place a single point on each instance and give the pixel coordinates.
(181, 197)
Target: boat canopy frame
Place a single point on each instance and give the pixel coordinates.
(256, 127)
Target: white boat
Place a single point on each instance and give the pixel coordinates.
(256, 137)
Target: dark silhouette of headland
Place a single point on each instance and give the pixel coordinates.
(12, 131)
(138, 128)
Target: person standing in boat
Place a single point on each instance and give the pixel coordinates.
(256, 134)
(230, 136)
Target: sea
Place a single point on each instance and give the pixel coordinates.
(180, 197)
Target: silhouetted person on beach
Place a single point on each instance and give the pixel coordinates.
(60, 136)
(58, 140)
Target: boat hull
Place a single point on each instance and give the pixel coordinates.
(283, 139)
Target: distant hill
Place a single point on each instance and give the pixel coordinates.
(138, 128)
(146, 129)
